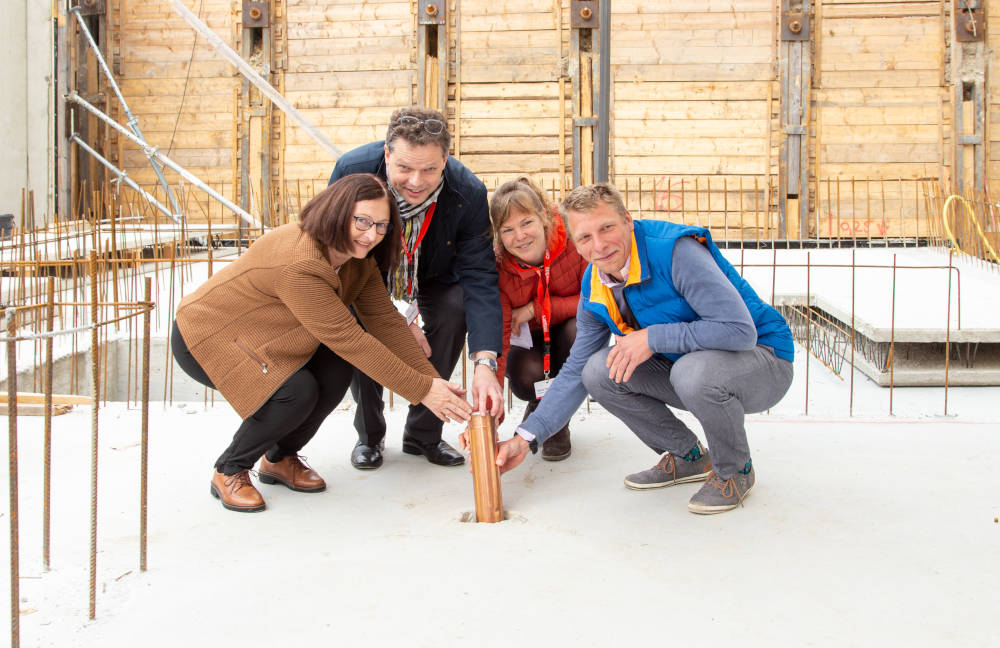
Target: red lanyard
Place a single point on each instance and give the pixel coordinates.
(409, 253)
(545, 300)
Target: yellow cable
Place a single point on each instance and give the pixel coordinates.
(972, 215)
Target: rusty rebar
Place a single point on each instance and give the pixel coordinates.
(144, 462)
(47, 457)
(947, 338)
(15, 558)
(95, 378)
(892, 335)
(808, 323)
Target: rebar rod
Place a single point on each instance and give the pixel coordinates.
(47, 461)
(15, 558)
(94, 406)
(144, 464)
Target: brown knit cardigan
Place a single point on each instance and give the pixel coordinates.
(259, 320)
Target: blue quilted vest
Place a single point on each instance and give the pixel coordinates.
(650, 291)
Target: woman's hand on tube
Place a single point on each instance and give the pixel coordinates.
(447, 401)
(521, 315)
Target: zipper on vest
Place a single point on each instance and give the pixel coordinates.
(263, 365)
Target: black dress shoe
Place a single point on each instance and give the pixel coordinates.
(366, 457)
(439, 452)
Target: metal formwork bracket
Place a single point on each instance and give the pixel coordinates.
(431, 12)
(584, 14)
(256, 14)
(90, 7)
(794, 26)
(970, 20)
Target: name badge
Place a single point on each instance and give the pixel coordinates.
(542, 386)
(411, 312)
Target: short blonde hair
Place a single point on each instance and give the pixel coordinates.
(522, 194)
(587, 197)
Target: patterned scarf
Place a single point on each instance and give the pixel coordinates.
(413, 218)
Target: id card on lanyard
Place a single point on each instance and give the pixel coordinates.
(545, 299)
(411, 253)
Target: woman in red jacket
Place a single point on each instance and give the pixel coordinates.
(540, 274)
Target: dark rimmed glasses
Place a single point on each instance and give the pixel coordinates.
(432, 126)
(365, 224)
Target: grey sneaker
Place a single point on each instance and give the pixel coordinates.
(717, 495)
(670, 470)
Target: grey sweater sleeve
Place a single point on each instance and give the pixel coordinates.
(725, 323)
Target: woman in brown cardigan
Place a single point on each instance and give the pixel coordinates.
(274, 332)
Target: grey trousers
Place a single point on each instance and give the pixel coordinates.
(717, 387)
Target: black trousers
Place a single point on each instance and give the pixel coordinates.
(291, 416)
(443, 313)
(525, 367)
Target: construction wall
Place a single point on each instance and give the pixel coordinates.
(181, 91)
(26, 120)
(696, 131)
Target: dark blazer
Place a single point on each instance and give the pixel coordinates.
(458, 246)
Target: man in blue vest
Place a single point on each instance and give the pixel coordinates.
(689, 333)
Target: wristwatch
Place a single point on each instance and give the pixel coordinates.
(489, 362)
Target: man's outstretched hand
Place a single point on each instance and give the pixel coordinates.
(510, 453)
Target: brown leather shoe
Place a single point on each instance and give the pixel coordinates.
(557, 447)
(237, 492)
(291, 472)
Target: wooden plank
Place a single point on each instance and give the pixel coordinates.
(347, 80)
(503, 91)
(352, 12)
(510, 109)
(705, 110)
(387, 47)
(691, 127)
(863, 115)
(35, 410)
(881, 152)
(696, 91)
(519, 72)
(692, 72)
(366, 97)
(706, 165)
(534, 144)
(495, 127)
(349, 63)
(915, 133)
(687, 146)
(511, 21)
(306, 30)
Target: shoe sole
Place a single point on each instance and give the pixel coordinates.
(238, 509)
(702, 509)
(414, 450)
(268, 478)
(682, 480)
(367, 466)
(556, 457)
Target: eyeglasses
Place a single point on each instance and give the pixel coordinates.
(365, 224)
(432, 126)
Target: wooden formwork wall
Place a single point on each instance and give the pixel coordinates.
(182, 93)
(695, 124)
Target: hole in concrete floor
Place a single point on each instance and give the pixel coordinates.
(508, 516)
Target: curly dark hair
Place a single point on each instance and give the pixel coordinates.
(416, 133)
